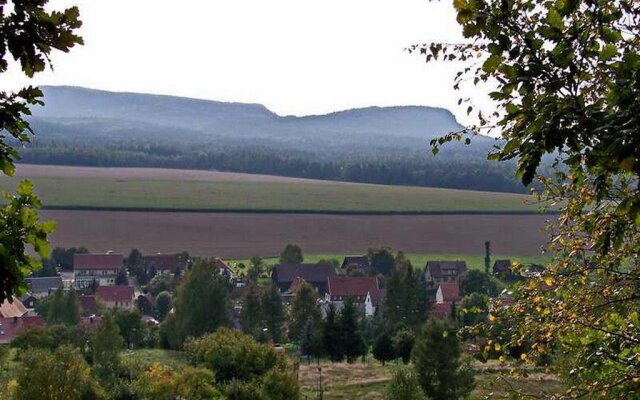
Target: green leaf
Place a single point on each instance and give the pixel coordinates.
(608, 52)
(554, 19)
(492, 63)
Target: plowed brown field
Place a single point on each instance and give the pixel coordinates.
(237, 235)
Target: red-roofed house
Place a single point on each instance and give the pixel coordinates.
(99, 268)
(11, 327)
(357, 288)
(447, 293)
(116, 296)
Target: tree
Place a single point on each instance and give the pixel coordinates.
(383, 350)
(251, 316)
(106, 344)
(255, 270)
(382, 261)
(487, 257)
(280, 385)
(121, 277)
(403, 342)
(202, 303)
(273, 312)
(350, 334)
(303, 306)
(406, 302)
(29, 34)
(161, 382)
(332, 335)
(61, 374)
(60, 308)
(475, 309)
(437, 360)
(292, 254)
(403, 386)
(311, 340)
(564, 79)
(233, 355)
(163, 304)
(478, 282)
(131, 328)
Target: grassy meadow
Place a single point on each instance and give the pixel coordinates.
(262, 196)
(417, 260)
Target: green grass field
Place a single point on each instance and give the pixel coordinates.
(417, 260)
(166, 194)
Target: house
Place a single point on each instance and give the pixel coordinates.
(316, 275)
(116, 296)
(11, 327)
(373, 301)
(15, 309)
(224, 268)
(42, 287)
(357, 288)
(339, 288)
(29, 301)
(166, 263)
(502, 268)
(447, 293)
(437, 272)
(100, 269)
(357, 262)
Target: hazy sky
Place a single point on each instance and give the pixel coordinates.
(294, 56)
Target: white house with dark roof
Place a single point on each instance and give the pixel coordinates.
(100, 269)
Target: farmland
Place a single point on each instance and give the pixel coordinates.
(179, 190)
(241, 235)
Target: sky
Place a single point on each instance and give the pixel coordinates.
(297, 57)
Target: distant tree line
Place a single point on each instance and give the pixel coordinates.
(379, 167)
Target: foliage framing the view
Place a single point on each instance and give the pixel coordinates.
(28, 34)
(566, 75)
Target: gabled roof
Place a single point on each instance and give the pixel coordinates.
(97, 261)
(449, 291)
(440, 269)
(10, 310)
(166, 262)
(312, 273)
(361, 261)
(115, 293)
(43, 285)
(11, 327)
(352, 285)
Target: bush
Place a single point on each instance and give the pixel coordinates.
(233, 355)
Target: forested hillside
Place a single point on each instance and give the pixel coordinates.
(375, 145)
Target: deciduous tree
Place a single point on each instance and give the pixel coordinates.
(565, 76)
(28, 34)
(292, 254)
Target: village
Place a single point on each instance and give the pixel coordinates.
(107, 282)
